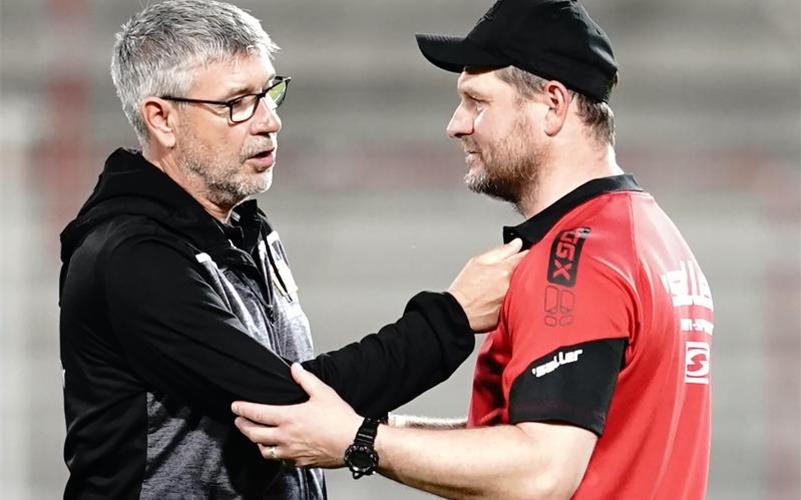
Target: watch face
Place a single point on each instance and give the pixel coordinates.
(361, 458)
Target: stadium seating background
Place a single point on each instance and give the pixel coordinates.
(369, 200)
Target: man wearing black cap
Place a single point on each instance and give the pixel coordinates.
(596, 382)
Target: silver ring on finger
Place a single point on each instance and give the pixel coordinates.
(273, 450)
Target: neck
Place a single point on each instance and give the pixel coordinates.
(190, 182)
(564, 173)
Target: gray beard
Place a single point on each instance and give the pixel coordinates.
(218, 191)
(218, 180)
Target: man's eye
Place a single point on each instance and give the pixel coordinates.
(236, 102)
(478, 104)
(243, 102)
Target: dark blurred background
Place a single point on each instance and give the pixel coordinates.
(369, 199)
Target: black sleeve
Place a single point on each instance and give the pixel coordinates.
(180, 339)
(573, 384)
(404, 359)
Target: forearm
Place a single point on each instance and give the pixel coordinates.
(492, 462)
(433, 423)
(404, 359)
(530, 460)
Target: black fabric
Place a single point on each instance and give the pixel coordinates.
(137, 316)
(534, 229)
(573, 384)
(554, 39)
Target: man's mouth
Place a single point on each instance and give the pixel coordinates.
(263, 159)
(469, 149)
(468, 154)
(263, 154)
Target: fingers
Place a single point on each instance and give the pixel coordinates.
(259, 434)
(518, 257)
(505, 251)
(512, 247)
(263, 414)
(272, 452)
(307, 380)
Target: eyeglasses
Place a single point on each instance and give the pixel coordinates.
(242, 108)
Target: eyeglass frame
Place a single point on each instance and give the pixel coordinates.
(232, 102)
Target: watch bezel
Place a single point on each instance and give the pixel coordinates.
(369, 454)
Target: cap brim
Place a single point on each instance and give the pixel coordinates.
(453, 53)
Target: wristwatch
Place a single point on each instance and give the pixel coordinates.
(361, 457)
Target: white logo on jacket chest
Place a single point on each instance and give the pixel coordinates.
(561, 358)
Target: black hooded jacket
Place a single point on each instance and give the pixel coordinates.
(151, 340)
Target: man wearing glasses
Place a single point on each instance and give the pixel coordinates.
(176, 295)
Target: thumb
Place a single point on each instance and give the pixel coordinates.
(307, 380)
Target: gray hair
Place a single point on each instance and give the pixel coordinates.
(596, 115)
(158, 49)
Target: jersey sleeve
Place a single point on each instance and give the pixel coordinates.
(179, 338)
(568, 318)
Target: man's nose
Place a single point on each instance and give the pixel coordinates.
(461, 123)
(266, 119)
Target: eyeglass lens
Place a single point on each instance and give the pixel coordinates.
(244, 108)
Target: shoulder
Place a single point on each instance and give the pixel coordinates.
(598, 235)
(126, 237)
(590, 252)
(109, 250)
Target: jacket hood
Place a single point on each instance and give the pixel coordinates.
(131, 185)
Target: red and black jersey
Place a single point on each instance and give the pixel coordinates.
(607, 326)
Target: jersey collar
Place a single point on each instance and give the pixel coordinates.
(535, 228)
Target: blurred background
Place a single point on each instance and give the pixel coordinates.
(369, 199)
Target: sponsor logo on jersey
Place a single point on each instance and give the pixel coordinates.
(565, 254)
(696, 363)
(688, 286)
(558, 306)
(561, 358)
(696, 325)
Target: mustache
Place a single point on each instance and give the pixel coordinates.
(258, 148)
(468, 145)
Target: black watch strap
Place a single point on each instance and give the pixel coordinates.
(365, 436)
(361, 457)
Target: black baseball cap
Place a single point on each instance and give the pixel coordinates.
(554, 39)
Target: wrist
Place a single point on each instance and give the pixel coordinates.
(346, 437)
(459, 300)
(361, 457)
(459, 297)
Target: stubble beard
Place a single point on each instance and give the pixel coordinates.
(223, 179)
(510, 169)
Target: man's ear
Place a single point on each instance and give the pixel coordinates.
(557, 98)
(160, 118)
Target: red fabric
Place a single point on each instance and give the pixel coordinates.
(637, 279)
